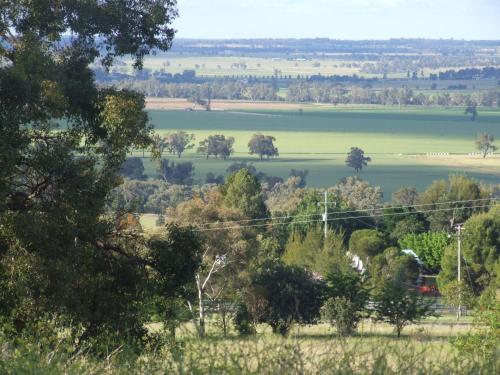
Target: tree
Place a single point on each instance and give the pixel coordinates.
(405, 196)
(484, 143)
(225, 253)
(288, 294)
(176, 257)
(133, 168)
(467, 196)
(347, 299)
(178, 142)
(356, 159)
(480, 252)
(384, 266)
(263, 145)
(242, 190)
(64, 140)
(429, 247)
(395, 304)
(366, 243)
(302, 174)
(471, 110)
(217, 145)
(357, 194)
(176, 173)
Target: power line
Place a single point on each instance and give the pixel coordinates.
(342, 218)
(347, 212)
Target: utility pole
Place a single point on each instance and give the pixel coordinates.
(325, 214)
(459, 266)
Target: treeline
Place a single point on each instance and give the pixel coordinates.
(225, 89)
(468, 74)
(338, 94)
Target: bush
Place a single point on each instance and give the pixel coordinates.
(243, 320)
(342, 313)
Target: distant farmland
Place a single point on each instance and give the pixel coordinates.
(318, 139)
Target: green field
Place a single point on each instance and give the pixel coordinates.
(318, 140)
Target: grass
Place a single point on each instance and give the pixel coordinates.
(317, 140)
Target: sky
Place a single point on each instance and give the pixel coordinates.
(339, 19)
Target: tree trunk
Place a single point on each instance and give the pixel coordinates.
(201, 306)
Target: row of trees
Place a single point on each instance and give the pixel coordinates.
(218, 145)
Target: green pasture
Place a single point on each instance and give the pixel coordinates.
(318, 140)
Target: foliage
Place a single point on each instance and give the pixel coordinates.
(429, 247)
(216, 145)
(484, 143)
(313, 252)
(395, 304)
(63, 143)
(176, 173)
(263, 145)
(243, 320)
(356, 159)
(347, 300)
(471, 110)
(242, 190)
(392, 261)
(457, 294)
(482, 345)
(367, 243)
(178, 142)
(289, 294)
(405, 196)
(356, 193)
(480, 252)
(302, 174)
(133, 168)
(468, 195)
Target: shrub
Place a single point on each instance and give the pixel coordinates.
(342, 313)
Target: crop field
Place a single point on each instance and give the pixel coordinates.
(319, 137)
(218, 66)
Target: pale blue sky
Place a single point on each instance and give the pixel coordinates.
(339, 19)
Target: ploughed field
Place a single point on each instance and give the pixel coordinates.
(399, 141)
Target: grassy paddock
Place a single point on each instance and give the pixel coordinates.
(318, 139)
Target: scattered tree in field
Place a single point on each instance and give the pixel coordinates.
(217, 145)
(263, 145)
(202, 96)
(289, 294)
(397, 305)
(471, 110)
(133, 168)
(356, 159)
(484, 143)
(176, 173)
(177, 143)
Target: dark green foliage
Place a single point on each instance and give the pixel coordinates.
(392, 261)
(348, 296)
(210, 178)
(480, 252)
(470, 195)
(242, 190)
(263, 145)
(177, 143)
(429, 247)
(133, 168)
(243, 320)
(397, 305)
(63, 143)
(288, 294)
(367, 243)
(176, 173)
(356, 159)
(471, 110)
(216, 145)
